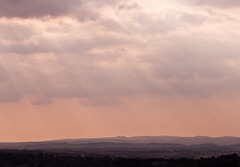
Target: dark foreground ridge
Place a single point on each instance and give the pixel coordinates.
(23, 158)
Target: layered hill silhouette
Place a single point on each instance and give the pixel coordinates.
(142, 146)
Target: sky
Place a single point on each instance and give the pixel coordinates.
(102, 68)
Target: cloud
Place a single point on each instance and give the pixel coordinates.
(35, 8)
(214, 3)
(82, 10)
(15, 32)
(41, 100)
(129, 7)
(123, 53)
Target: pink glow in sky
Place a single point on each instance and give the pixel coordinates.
(96, 68)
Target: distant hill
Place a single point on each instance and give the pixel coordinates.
(142, 146)
(227, 140)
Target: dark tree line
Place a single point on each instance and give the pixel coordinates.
(10, 158)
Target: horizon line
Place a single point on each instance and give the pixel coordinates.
(109, 137)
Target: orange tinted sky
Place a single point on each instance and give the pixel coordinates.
(98, 68)
(69, 118)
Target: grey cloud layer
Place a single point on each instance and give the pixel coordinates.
(128, 51)
(53, 8)
(215, 3)
(35, 8)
